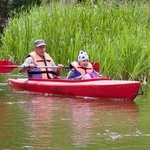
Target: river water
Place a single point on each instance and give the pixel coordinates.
(38, 121)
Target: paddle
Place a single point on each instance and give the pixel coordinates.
(8, 66)
(96, 66)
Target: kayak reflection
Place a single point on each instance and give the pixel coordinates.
(80, 121)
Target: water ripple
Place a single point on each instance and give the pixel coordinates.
(114, 135)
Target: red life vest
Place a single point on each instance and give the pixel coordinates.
(43, 73)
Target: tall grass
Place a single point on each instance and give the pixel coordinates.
(115, 36)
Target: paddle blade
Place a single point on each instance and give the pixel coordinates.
(96, 66)
(6, 66)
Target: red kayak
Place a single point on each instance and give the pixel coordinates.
(98, 88)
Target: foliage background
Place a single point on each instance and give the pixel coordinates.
(117, 36)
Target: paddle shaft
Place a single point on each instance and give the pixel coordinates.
(14, 66)
(8, 66)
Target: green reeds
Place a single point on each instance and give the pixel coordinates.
(117, 36)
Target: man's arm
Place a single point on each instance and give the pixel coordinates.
(27, 65)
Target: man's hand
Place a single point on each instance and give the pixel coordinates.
(60, 66)
(30, 67)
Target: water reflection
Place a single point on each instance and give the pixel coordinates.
(40, 120)
(80, 121)
(98, 118)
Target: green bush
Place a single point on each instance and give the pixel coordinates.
(116, 36)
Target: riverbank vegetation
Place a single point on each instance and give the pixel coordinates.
(116, 36)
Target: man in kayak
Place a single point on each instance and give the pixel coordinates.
(82, 69)
(39, 64)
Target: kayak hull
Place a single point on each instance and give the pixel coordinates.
(98, 88)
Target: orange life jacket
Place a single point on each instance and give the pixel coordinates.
(44, 73)
(83, 71)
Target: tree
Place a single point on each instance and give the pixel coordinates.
(3, 14)
(8, 6)
(18, 5)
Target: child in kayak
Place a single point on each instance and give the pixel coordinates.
(82, 69)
